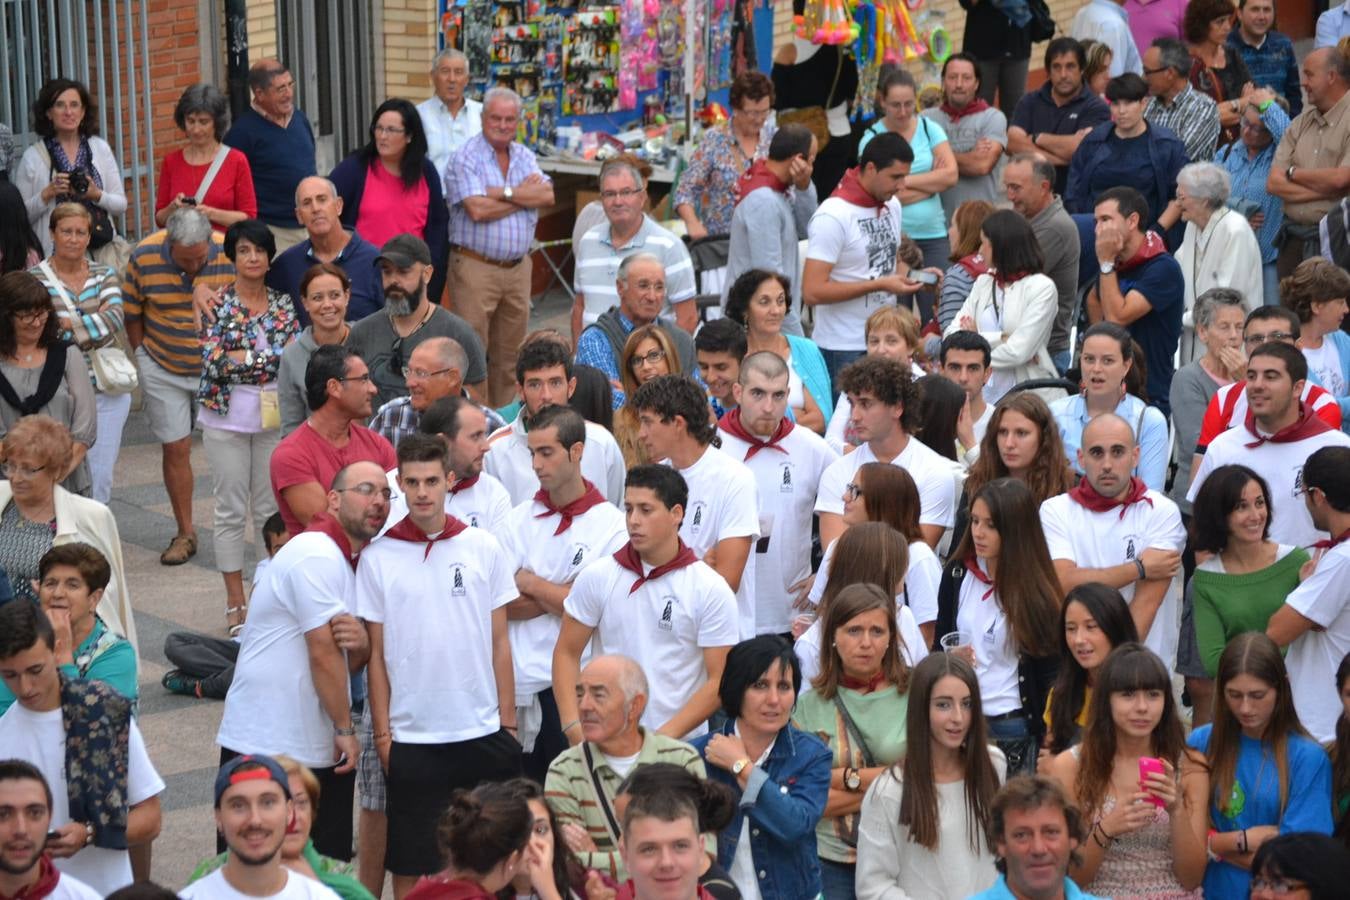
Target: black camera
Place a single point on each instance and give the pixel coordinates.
(79, 183)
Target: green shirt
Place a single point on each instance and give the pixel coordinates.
(1227, 605)
(880, 716)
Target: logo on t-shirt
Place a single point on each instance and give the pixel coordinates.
(576, 557)
(696, 523)
(457, 581)
(785, 485)
(667, 622)
(1298, 482)
(1129, 547)
(473, 520)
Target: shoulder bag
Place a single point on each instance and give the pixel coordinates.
(611, 821)
(219, 160)
(813, 118)
(849, 831)
(113, 371)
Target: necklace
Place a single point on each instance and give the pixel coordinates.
(431, 308)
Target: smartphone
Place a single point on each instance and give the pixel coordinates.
(189, 201)
(1147, 766)
(53, 836)
(922, 277)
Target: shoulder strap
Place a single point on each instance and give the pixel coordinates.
(611, 822)
(221, 152)
(854, 734)
(1139, 426)
(60, 288)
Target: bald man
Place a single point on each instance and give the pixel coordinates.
(1113, 529)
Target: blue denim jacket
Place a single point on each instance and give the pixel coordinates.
(784, 800)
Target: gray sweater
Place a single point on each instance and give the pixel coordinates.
(765, 230)
(291, 380)
(1192, 389)
(1060, 244)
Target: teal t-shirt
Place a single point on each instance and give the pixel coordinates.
(923, 220)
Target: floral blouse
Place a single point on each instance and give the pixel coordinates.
(236, 329)
(708, 183)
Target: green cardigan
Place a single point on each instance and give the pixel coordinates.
(1227, 605)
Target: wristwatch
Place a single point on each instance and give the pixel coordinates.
(852, 779)
(739, 766)
(1108, 267)
(1289, 173)
(507, 193)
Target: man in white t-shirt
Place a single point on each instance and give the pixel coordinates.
(884, 412)
(93, 832)
(543, 377)
(721, 518)
(1113, 529)
(965, 358)
(548, 540)
(26, 870)
(656, 602)
(852, 251)
(1314, 622)
(433, 592)
(299, 630)
(1276, 438)
(787, 462)
(253, 811)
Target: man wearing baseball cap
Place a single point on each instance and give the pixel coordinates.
(253, 810)
(386, 342)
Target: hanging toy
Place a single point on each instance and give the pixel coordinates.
(826, 22)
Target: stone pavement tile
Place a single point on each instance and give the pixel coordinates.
(175, 735)
(186, 837)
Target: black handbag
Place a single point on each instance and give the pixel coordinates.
(1042, 24)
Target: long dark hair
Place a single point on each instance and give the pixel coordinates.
(16, 235)
(1049, 475)
(918, 792)
(940, 404)
(1215, 501)
(569, 875)
(1025, 578)
(1112, 615)
(410, 168)
(1013, 247)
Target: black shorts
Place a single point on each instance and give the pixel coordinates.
(419, 783)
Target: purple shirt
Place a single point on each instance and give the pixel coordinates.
(471, 172)
(1155, 19)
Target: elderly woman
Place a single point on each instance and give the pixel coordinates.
(240, 411)
(69, 162)
(1219, 249)
(1317, 293)
(758, 300)
(780, 775)
(390, 187)
(36, 514)
(87, 299)
(325, 291)
(705, 198)
(1248, 165)
(40, 373)
(205, 173)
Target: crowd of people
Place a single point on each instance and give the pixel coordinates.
(986, 537)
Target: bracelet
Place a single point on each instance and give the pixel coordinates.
(345, 732)
(381, 734)
(88, 833)
(1139, 564)
(1209, 845)
(1262, 107)
(1242, 844)
(1096, 827)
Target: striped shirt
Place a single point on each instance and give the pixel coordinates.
(570, 792)
(1193, 117)
(157, 293)
(472, 170)
(597, 266)
(99, 303)
(398, 419)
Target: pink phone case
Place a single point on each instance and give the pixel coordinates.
(1147, 766)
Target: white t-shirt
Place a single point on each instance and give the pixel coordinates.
(71, 888)
(837, 430)
(665, 625)
(436, 608)
(787, 485)
(1281, 465)
(922, 579)
(913, 648)
(1325, 364)
(984, 625)
(933, 475)
(622, 765)
(1099, 540)
(981, 425)
(508, 460)
(215, 887)
(40, 738)
(529, 543)
(307, 585)
(1313, 659)
(723, 504)
(861, 244)
(485, 504)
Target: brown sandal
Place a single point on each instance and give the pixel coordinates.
(180, 550)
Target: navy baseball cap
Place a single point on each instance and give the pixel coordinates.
(264, 768)
(405, 249)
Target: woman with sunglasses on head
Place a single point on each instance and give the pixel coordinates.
(1144, 792)
(1000, 597)
(922, 831)
(1267, 776)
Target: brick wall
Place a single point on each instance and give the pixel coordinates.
(262, 29)
(410, 30)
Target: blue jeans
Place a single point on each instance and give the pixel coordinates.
(1271, 278)
(1014, 737)
(837, 361)
(1062, 359)
(837, 880)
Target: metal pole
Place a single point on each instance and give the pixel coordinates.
(134, 111)
(101, 64)
(150, 173)
(236, 56)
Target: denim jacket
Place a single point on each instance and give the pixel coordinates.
(784, 799)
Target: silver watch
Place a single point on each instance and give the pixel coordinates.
(1108, 267)
(507, 193)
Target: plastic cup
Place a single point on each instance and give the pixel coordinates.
(951, 641)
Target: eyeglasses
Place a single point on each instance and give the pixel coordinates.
(1280, 887)
(625, 194)
(11, 469)
(1303, 490)
(1254, 340)
(757, 115)
(389, 129)
(423, 374)
(29, 316)
(362, 379)
(852, 491)
(1155, 71)
(366, 489)
(651, 358)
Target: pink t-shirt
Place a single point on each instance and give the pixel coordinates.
(388, 208)
(1155, 19)
(232, 188)
(304, 456)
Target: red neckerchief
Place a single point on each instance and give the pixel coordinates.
(1005, 283)
(978, 105)
(627, 557)
(48, 876)
(1086, 496)
(323, 523)
(1307, 425)
(731, 424)
(1332, 542)
(570, 511)
(973, 567)
(1152, 246)
(851, 190)
(861, 685)
(439, 888)
(463, 484)
(974, 264)
(757, 176)
(407, 531)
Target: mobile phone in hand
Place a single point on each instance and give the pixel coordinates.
(1147, 766)
(922, 276)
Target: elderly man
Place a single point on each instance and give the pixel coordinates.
(410, 316)
(495, 190)
(435, 369)
(1028, 181)
(1054, 119)
(1311, 170)
(641, 285)
(977, 131)
(627, 230)
(449, 117)
(1175, 105)
(318, 207)
(612, 694)
(157, 295)
(1248, 163)
(279, 143)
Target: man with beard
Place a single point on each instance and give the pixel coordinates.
(301, 628)
(25, 813)
(1053, 120)
(977, 132)
(386, 342)
(253, 808)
